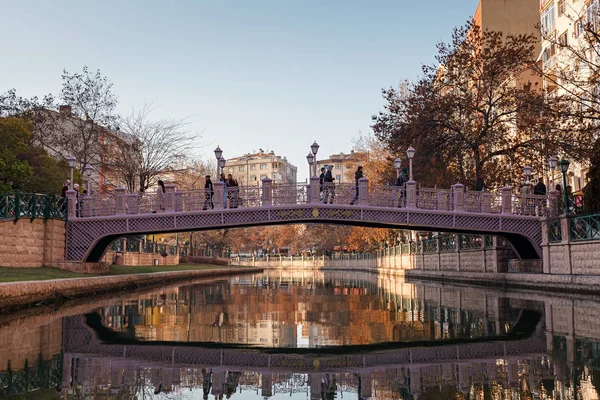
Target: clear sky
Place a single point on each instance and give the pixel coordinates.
(249, 74)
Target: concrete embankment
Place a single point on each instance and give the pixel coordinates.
(583, 284)
(15, 295)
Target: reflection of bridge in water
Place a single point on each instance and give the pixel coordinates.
(105, 217)
(571, 339)
(169, 364)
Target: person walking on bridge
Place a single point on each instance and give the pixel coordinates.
(357, 176)
(208, 193)
(329, 186)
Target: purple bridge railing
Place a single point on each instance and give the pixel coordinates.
(95, 221)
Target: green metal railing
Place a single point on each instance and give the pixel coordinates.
(555, 231)
(40, 375)
(447, 244)
(430, 246)
(585, 228)
(32, 205)
(470, 242)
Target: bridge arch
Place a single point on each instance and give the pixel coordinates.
(88, 238)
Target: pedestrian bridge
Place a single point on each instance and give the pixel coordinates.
(95, 221)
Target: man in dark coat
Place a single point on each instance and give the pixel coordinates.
(357, 175)
(208, 193)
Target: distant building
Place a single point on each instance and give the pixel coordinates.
(344, 165)
(250, 169)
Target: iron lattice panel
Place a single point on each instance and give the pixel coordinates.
(152, 223)
(293, 214)
(527, 227)
(388, 216)
(191, 356)
(343, 214)
(199, 220)
(287, 361)
(426, 219)
(245, 359)
(399, 357)
(149, 353)
(82, 234)
(478, 222)
(245, 216)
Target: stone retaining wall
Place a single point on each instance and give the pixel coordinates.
(136, 259)
(34, 243)
(19, 294)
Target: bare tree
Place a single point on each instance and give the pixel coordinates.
(150, 147)
(86, 114)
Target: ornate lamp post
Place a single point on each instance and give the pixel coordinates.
(397, 165)
(88, 173)
(218, 154)
(222, 163)
(314, 148)
(71, 160)
(563, 165)
(527, 171)
(311, 159)
(552, 163)
(410, 153)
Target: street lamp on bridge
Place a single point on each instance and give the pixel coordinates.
(527, 171)
(552, 162)
(218, 154)
(71, 160)
(314, 148)
(410, 153)
(311, 159)
(397, 165)
(222, 163)
(88, 173)
(563, 165)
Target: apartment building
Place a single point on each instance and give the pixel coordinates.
(344, 165)
(250, 169)
(563, 24)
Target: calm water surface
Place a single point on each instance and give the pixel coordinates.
(306, 335)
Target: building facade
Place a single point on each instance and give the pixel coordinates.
(250, 169)
(344, 165)
(563, 24)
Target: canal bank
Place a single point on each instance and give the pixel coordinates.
(16, 295)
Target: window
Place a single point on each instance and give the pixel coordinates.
(338, 166)
(579, 27)
(253, 177)
(548, 25)
(230, 169)
(563, 40)
(253, 167)
(338, 178)
(241, 168)
(262, 177)
(592, 15)
(263, 166)
(561, 8)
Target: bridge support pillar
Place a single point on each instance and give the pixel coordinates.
(267, 192)
(169, 197)
(219, 195)
(458, 192)
(506, 200)
(363, 191)
(314, 192)
(411, 194)
(71, 203)
(120, 200)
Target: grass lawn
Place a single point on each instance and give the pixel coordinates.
(36, 274)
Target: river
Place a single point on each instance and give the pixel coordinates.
(306, 335)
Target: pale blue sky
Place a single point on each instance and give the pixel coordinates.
(249, 74)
